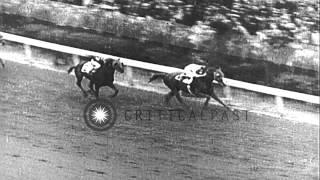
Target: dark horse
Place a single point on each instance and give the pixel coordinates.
(200, 87)
(104, 76)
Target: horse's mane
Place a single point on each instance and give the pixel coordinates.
(214, 69)
(218, 70)
(108, 61)
(102, 61)
(211, 69)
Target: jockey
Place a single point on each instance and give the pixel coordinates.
(195, 70)
(192, 71)
(91, 66)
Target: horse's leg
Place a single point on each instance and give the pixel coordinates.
(200, 94)
(96, 92)
(207, 101)
(79, 79)
(91, 90)
(181, 101)
(116, 91)
(168, 96)
(214, 96)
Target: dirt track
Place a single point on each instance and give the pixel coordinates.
(43, 136)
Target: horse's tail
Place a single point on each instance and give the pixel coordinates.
(70, 69)
(157, 76)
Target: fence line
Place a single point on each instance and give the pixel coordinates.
(76, 52)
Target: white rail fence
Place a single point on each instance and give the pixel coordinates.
(279, 94)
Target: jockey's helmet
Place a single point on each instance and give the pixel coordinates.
(96, 58)
(202, 70)
(95, 64)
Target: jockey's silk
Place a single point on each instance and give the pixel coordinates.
(190, 72)
(90, 66)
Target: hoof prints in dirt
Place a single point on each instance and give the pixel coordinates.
(22, 137)
(103, 160)
(58, 147)
(101, 144)
(133, 164)
(14, 155)
(95, 171)
(43, 160)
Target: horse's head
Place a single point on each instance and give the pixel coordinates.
(218, 75)
(118, 65)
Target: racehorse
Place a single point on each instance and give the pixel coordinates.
(200, 86)
(104, 76)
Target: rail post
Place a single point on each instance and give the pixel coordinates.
(75, 59)
(129, 75)
(27, 51)
(227, 92)
(279, 103)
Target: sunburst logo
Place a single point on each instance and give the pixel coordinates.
(100, 114)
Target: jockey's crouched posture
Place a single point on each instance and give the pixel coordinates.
(192, 71)
(91, 66)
